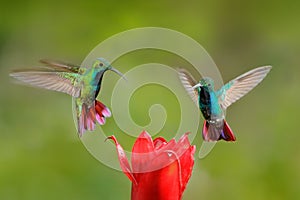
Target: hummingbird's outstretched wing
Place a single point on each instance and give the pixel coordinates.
(238, 87)
(59, 77)
(188, 82)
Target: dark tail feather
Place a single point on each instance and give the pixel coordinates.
(209, 132)
(101, 112)
(215, 132)
(227, 133)
(83, 120)
(89, 115)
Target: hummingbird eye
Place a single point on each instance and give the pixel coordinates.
(100, 64)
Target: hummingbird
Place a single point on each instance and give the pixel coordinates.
(82, 83)
(213, 103)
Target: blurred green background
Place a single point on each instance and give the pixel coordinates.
(41, 156)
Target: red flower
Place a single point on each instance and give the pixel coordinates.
(159, 169)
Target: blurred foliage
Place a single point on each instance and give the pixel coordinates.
(41, 156)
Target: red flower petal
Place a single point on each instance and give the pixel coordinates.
(181, 152)
(142, 152)
(159, 142)
(187, 163)
(163, 155)
(169, 182)
(161, 184)
(186, 160)
(123, 160)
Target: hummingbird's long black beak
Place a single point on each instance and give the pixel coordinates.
(118, 72)
(197, 85)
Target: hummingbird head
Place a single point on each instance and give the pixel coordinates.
(206, 83)
(103, 65)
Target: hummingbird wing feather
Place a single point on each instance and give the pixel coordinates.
(188, 82)
(238, 87)
(51, 80)
(60, 66)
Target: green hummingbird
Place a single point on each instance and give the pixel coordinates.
(82, 83)
(213, 103)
